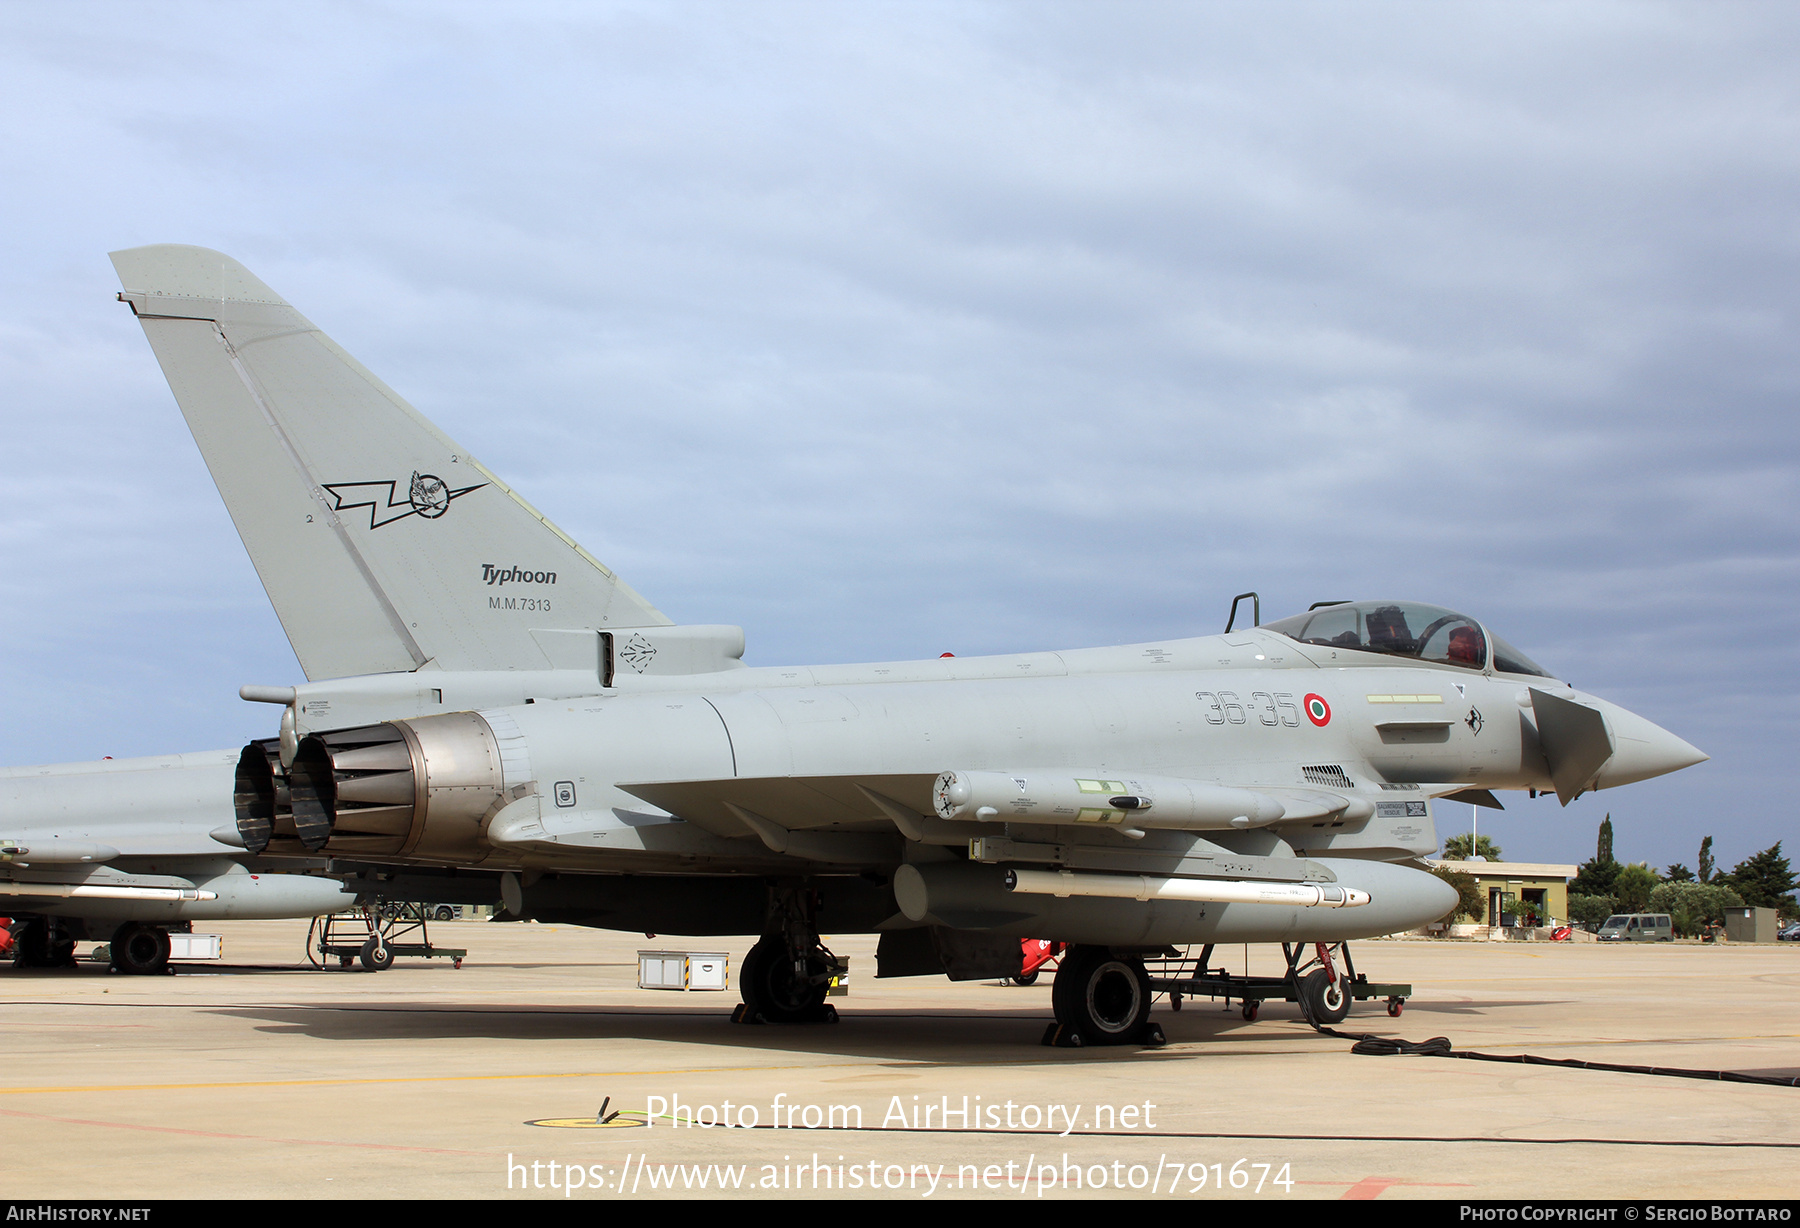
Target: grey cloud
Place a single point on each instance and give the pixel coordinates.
(898, 329)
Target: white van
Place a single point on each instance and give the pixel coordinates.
(1637, 927)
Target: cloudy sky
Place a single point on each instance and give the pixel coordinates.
(888, 330)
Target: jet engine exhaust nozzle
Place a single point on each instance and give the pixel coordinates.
(377, 790)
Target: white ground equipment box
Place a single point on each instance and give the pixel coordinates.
(193, 946)
(684, 970)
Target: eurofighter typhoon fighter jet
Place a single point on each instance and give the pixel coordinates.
(485, 698)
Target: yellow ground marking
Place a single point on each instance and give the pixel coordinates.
(590, 1123)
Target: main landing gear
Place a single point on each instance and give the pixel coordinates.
(785, 976)
(1101, 998)
(140, 950)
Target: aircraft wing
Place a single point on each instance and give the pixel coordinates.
(852, 818)
(732, 806)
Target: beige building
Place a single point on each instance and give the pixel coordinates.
(1514, 888)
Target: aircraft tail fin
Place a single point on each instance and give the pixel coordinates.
(381, 542)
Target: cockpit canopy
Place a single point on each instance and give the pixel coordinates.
(1407, 629)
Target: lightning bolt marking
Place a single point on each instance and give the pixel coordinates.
(348, 498)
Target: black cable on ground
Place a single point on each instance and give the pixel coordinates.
(1439, 1046)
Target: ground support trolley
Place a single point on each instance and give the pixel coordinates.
(1315, 976)
(1036, 954)
(375, 934)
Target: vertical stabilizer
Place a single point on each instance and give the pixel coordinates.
(381, 542)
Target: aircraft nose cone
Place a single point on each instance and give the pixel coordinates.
(1643, 749)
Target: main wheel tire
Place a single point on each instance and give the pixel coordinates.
(1327, 1000)
(377, 956)
(1102, 997)
(768, 984)
(141, 950)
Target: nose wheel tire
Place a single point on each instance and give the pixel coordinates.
(1102, 997)
(1327, 1000)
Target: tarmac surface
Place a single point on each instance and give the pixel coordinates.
(263, 1076)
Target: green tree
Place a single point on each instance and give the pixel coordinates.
(1765, 880)
(1692, 905)
(1634, 885)
(1591, 910)
(1469, 901)
(1456, 848)
(1597, 876)
(1706, 860)
(1679, 873)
